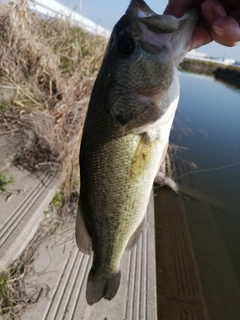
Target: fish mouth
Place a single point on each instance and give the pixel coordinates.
(155, 32)
(153, 93)
(150, 95)
(149, 92)
(139, 10)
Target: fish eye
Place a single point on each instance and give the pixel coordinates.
(126, 46)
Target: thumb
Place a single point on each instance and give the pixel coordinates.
(226, 31)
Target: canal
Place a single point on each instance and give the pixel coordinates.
(205, 146)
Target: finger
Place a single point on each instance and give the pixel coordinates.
(235, 14)
(200, 36)
(226, 31)
(223, 29)
(212, 10)
(176, 9)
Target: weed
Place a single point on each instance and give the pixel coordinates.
(6, 301)
(4, 181)
(4, 106)
(58, 199)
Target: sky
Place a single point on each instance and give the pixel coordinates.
(107, 12)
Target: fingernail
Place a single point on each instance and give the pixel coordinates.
(219, 31)
(208, 14)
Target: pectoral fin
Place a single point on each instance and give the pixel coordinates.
(140, 160)
(83, 239)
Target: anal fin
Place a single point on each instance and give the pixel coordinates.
(83, 239)
(136, 235)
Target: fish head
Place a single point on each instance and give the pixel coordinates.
(140, 61)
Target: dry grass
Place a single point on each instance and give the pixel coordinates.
(51, 66)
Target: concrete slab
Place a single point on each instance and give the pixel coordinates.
(22, 208)
(57, 281)
(10, 145)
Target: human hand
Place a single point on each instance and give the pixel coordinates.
(220, 20)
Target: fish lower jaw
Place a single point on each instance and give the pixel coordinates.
(153, 93)
(165, 121)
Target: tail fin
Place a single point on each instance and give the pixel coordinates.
(102, 286)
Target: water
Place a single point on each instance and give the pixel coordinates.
(210, 113)
(207, 128)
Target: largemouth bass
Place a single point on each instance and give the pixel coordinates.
(126, 135)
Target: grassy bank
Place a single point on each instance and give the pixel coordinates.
(230, 75)
(47, 70)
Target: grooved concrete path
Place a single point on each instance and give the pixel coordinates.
(22, 208)
(58, 277)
